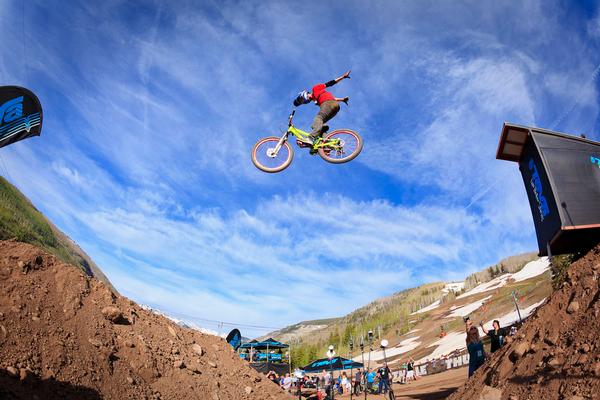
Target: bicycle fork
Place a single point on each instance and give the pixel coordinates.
(280, 143)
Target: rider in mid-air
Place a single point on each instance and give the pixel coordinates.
(327, 102)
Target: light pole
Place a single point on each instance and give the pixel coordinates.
(330, 354)
(514, 296)
(362, 355)
(384, 344)
(351, 345)
(370, 337)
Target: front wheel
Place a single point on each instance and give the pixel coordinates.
(266, 159)
(340, 146)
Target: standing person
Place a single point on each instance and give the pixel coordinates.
(327, 382)
(384, 376)
(327, 102)
(370, 379)
(357, 381)
(410, 370)
(411, 362)
(403, 373)
(497, 335)
(346, 386)
(287, 382)
(475, 347)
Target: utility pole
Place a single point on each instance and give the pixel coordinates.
(370, 336)
(351, 346)
(514, 296)
(363, 378)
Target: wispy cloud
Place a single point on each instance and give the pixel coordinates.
(151, 109)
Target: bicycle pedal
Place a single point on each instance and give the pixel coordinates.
(312, 152)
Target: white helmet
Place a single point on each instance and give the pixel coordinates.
(302, 98)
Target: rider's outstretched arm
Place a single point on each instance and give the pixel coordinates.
(336, 80)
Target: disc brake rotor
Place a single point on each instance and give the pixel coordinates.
(271, 152)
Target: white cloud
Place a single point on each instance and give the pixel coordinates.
(144, 156)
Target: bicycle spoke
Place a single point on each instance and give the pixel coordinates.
(267, 159)
(341, 146)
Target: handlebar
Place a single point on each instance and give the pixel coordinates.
(291, 117)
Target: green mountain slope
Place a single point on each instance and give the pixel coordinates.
(20, 220)
(395, 315)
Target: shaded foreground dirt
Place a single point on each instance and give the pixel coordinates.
(66, 336)
(556, 354)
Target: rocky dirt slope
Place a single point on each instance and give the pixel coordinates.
(64, 335)
(556, 355)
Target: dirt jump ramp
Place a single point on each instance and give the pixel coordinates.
(556, 354)
(64, 335)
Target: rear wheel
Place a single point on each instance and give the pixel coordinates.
(341, 145)
(265, 159)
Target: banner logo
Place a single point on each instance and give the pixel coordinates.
(595, 161)
(12, 120)
(11, 110)
(536, 186)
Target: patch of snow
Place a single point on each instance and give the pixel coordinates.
(532, 269)
(447, 344)
(513, 316)
(403, 347)
(495, 283)
(468, 309)
(430, 307)
(454, 287)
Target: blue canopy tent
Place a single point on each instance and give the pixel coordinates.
(262, 360)
(270, 343)
(335, 364)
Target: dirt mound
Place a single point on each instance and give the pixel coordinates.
(66, 336)
(556, 354)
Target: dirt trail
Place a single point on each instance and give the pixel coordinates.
(432, 387)
(66, 336)
(556, 354)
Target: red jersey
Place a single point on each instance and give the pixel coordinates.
(320, 94)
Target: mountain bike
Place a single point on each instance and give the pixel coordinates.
(274, 154)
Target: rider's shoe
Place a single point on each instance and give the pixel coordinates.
(306, 140)
(315, 138)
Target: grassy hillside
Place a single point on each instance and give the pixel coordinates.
(388, 316)
(20, 220)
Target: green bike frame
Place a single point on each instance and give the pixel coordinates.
(332, 144)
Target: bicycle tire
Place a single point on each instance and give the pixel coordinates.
(355, 144)
(391, 395)
(258, 151)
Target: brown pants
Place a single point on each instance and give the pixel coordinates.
(327, 111)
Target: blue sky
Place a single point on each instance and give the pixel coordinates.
(151, 109)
